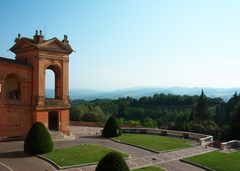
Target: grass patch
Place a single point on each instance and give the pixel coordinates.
(77, 155)
(218, 161)
(154, 142)
(149, 169)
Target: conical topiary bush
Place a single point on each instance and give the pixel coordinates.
(112, 161)
(38, 140)
(111, 128)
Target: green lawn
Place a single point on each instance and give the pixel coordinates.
(218, 160)
(154, 142)
(80, 154)
(149, 169)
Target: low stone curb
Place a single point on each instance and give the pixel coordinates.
(150, 165)
(144, 148)
(196, 164)
(65, 167)
(74, 166)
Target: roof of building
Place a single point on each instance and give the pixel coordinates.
(13, 61)
(39, 43)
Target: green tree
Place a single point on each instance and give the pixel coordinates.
(111, 128)
(149, 122)
(38, 140)
(235, 124)
(201, 111)
(112, 161)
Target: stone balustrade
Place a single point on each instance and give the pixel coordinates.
(201, 138)
(230, 144)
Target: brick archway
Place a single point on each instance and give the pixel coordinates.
(58, 80)
(28, 104)
(11, 85)
(53, 121)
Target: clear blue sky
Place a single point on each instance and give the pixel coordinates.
(129, 43)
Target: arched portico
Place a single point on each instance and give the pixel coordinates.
(57, 81)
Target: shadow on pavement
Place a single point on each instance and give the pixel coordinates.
(15, 154)
(92, 136)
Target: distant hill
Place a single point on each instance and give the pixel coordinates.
(88, 94)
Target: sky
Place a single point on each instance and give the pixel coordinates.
(135, 43)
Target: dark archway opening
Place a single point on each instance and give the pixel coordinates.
(12, 87)
(53, 121)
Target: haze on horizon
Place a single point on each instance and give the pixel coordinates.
(121, 44)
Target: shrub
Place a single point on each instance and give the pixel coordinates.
(185, 135)
(164, 133)
(38, 140)
(112, 161)
(111, 128)
(143, 131)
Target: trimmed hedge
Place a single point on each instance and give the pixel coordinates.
(38, 140)
(111, 128)
(164, 133)
(186, 135)
(112, 161)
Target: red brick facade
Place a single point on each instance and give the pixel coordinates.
(22, 86)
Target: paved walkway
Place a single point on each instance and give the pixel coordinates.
(167, 157)
(169, 161)
(11, 155)
(4, 167)
(177, 165)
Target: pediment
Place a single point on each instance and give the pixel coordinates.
(55, 45)
(21, 44)
(52, 45)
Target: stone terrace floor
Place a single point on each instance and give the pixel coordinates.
(12, 156)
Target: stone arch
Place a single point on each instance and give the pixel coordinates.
(12, 87)
(58, 80)
(53, 119)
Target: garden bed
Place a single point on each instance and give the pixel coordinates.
(154, 142)
(218, 160)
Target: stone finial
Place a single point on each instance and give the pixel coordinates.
(65, 39)
(38, 38)
(18, 38)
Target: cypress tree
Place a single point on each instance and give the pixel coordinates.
(201, 112)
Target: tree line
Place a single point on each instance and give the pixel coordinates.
(200, 114)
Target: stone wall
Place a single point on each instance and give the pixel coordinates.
(90, 124)
(15, 115)
(15, 121)
(201, 138)
(230, 144)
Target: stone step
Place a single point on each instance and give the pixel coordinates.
(57, 136)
